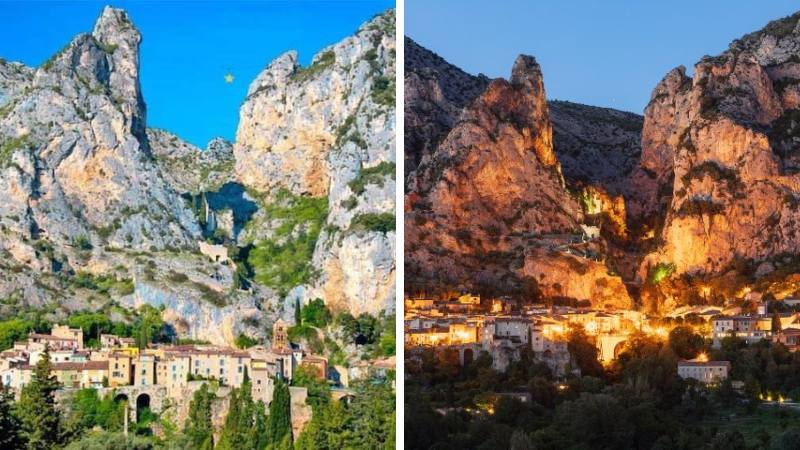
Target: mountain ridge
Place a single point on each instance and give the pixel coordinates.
(94, 193)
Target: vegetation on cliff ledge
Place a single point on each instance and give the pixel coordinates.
(284, 260)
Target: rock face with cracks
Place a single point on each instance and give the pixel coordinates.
(327, 131)
(719, 164)
(91, 193)
(712, 186)
(482, 205)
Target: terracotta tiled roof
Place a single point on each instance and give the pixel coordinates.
(88, 365)
(50, 337)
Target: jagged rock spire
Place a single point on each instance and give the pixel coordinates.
(525, 69)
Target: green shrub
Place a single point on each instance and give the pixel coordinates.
(177, 277)
(384, 222)
(325, 61)
(108, 48)
(244, 341)
(284, 261)
(698, 207)
(349, 203)
(82, 243)
(661, 271)
(8, 148)
(372, 175)
(714, 171)
(316, 314)
(7, 108)
(383, 91)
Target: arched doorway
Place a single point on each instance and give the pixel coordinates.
(469, 356)
(142, 403)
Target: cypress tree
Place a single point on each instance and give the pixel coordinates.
(239, 430)
(199, 427)
(229, 436)
(286, 443)
(776, 323)
(260, 425)
(9, 424)
(41, 422)
(247, 415)
(279, 422)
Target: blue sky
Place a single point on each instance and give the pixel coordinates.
(599, 53)
(188, 48)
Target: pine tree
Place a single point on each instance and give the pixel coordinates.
(199, 427)
(9, 424)
(372, 415)
(41, 422)
(279, 422)
(337, 423)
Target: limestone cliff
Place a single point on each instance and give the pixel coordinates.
(489, 205)
(435, 92)
(100, 211)
(326, 132)
(76, 165)
(496, 168)
(189, 169)
(718, 175)
(90, 217)
(599, 146)
(596, 146)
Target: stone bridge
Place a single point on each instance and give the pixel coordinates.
(343, 394)
(609, 346)
(140, 397)
(502, 355)
(467, 352)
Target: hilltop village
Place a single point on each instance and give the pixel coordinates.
(163, 378)
(505, 326)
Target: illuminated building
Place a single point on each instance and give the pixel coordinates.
(704, 371)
